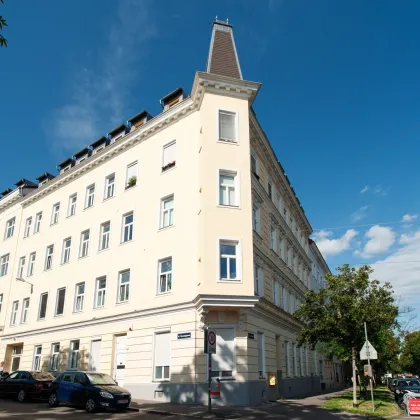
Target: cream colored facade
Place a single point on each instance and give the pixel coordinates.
(153, 342)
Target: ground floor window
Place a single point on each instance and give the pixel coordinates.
(162, 356)
(223, 362)
(37, 358)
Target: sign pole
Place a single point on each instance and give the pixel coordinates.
(370, 369)
(209, 404)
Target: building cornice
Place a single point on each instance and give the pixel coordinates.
(10, 199)
(269, 312)
(205, 302)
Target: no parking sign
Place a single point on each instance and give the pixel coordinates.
(210, 342)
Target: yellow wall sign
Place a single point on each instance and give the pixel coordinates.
(272, 379)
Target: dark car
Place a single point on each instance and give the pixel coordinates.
(403, 386)
(91, 390)
(25, 385)
(394, 383)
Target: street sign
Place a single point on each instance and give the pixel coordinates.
(368, 352)
(211, 342)
(368, 370)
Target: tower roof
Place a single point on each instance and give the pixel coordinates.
(223, 57)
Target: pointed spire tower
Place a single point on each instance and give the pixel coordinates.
(223, 57)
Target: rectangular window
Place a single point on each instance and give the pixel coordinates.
(79, 297)
(1, 301)
(36, 365)
(167, 212)
(28, 225)
(104, 236)
(131, 175)
(281, 248)
(162, 356)
(276, 294)
(165, 276)
(31, 264)
(227, 126)
(84, 244)
(123, 286)
(223, 362)
(273, 239)
(10, 228)
(43, 301)
(261, 355)
(287, 357)
(65, 258)
(90, 196)
(291, 223)
(55, 213)
(4, 265)
(270, 189)
(169, 156)
(294, 264)
(74, 354)
(256, 217)
(278, 201)
(228, 191)
(258, 281)
(25, 308)
(38, 219)
(54, 357)
(109, 186)
(49, 257)
(285, 296)
(21, 267)
(254, 163)
(15, 309)
(71, 211)
(229, 260)
(61, 297)
(100, 291)
(128, 226)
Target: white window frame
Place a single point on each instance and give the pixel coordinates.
(277, 293)
(21, 267)
(261, 358)
(236, 116)
(65, 254)
(165, 275)
(4, 264)
(1, 301)
(236, 187)
(25, 310)
(54, 357)
(40, 306)
(14, 314)
(100, 293)
(127, 178)
(55, 215)
(28, 225)
(273, 239)
(57, 300)
(104, 237)
(79, 298)
(238, 255)
(10, 228)
(37, 224)
(74, 354)
(172, 164)
(256, 217)
(126, 286)
(71, 211)
(49, 254)
(109, 186)
(258, 280)
(90, 196)
(31, 264)
(127, 227)
(170, 211)
(84, 244)
(163, 378)
(37, 358)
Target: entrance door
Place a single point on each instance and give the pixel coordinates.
(95, 355)
(119, 363)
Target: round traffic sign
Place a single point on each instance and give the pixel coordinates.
(211, 338)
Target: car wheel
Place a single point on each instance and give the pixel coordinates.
(53, 400)
(21, 395)
(90, 405)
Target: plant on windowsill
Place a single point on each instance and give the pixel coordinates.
(131, 182)
(168, 166)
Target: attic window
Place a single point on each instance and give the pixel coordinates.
(99, 149)
(139, 124)
(173, 102)
(117, 138)
(66, 168)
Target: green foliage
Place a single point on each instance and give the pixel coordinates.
(410, 356)
(3, 40)
(335, 315)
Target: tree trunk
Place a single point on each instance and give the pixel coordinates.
(353, 357)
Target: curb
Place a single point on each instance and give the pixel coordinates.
(171, 413)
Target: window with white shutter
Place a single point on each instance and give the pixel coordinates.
(162, 356)
(169, 156)
(223, 362)
(227, 126)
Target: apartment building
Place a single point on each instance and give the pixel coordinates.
(167, 225)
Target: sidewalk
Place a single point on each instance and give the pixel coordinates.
(297, 409)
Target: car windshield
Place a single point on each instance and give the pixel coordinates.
(414, 383)
(42, 376)
(100, 379)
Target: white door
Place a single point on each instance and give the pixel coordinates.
(120, 353)
(95, 355)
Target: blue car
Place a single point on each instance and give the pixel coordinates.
(91, 390)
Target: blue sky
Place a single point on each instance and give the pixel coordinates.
(339, 100)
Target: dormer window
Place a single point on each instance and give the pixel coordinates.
(138, 120)
(99, 144)
(173, 98)
(117, 133)
(65, 165)
(82, 155)
(174, 102)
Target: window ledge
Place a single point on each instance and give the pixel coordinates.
(164, 171)
(126, 242)
(58, 315)
(64, 263)
(225, 206)
(98, 308)
(227, 379)
(77, 312)
(103, 250)
(163, 294)
(108, 198)
(53, 224)
(161, 381)
(70, 215)
(233, 143)
(122, 303)
(229, 281)
(128, 187)
(88, 208)
(82, 258)
(166, 228)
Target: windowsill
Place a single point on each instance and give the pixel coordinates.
(35, 232)
(53, 224)
(27, 236)
(227, 206)
(159, 381)
(81, 258)
(98, 308)
(87, 208)
(227, 379)
(47, 269)
(108, 198)
(163, 294)
(125, 242)
(103, 250)
(235, 143)
(58, 315)
(40, 319)
(229, 281)
(122, 303)
(77, 312)
(166, 228)
(6, 239)
(70, 215)
(64, 263)
(128, 187)
(164, 171)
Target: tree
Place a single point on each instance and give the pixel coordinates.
(3, 40)
(410, 356)
(334, 316)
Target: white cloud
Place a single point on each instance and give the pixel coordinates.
(364, 189)
(407, 218)
(402, 269)
(379, 190)
(321, 234)
(380, 239)
(359, 214)
(100, 94)
(334, 246)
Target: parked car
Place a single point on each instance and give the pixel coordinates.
(25, 385)
(393, 384)
(403, 386)
(91, 390)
